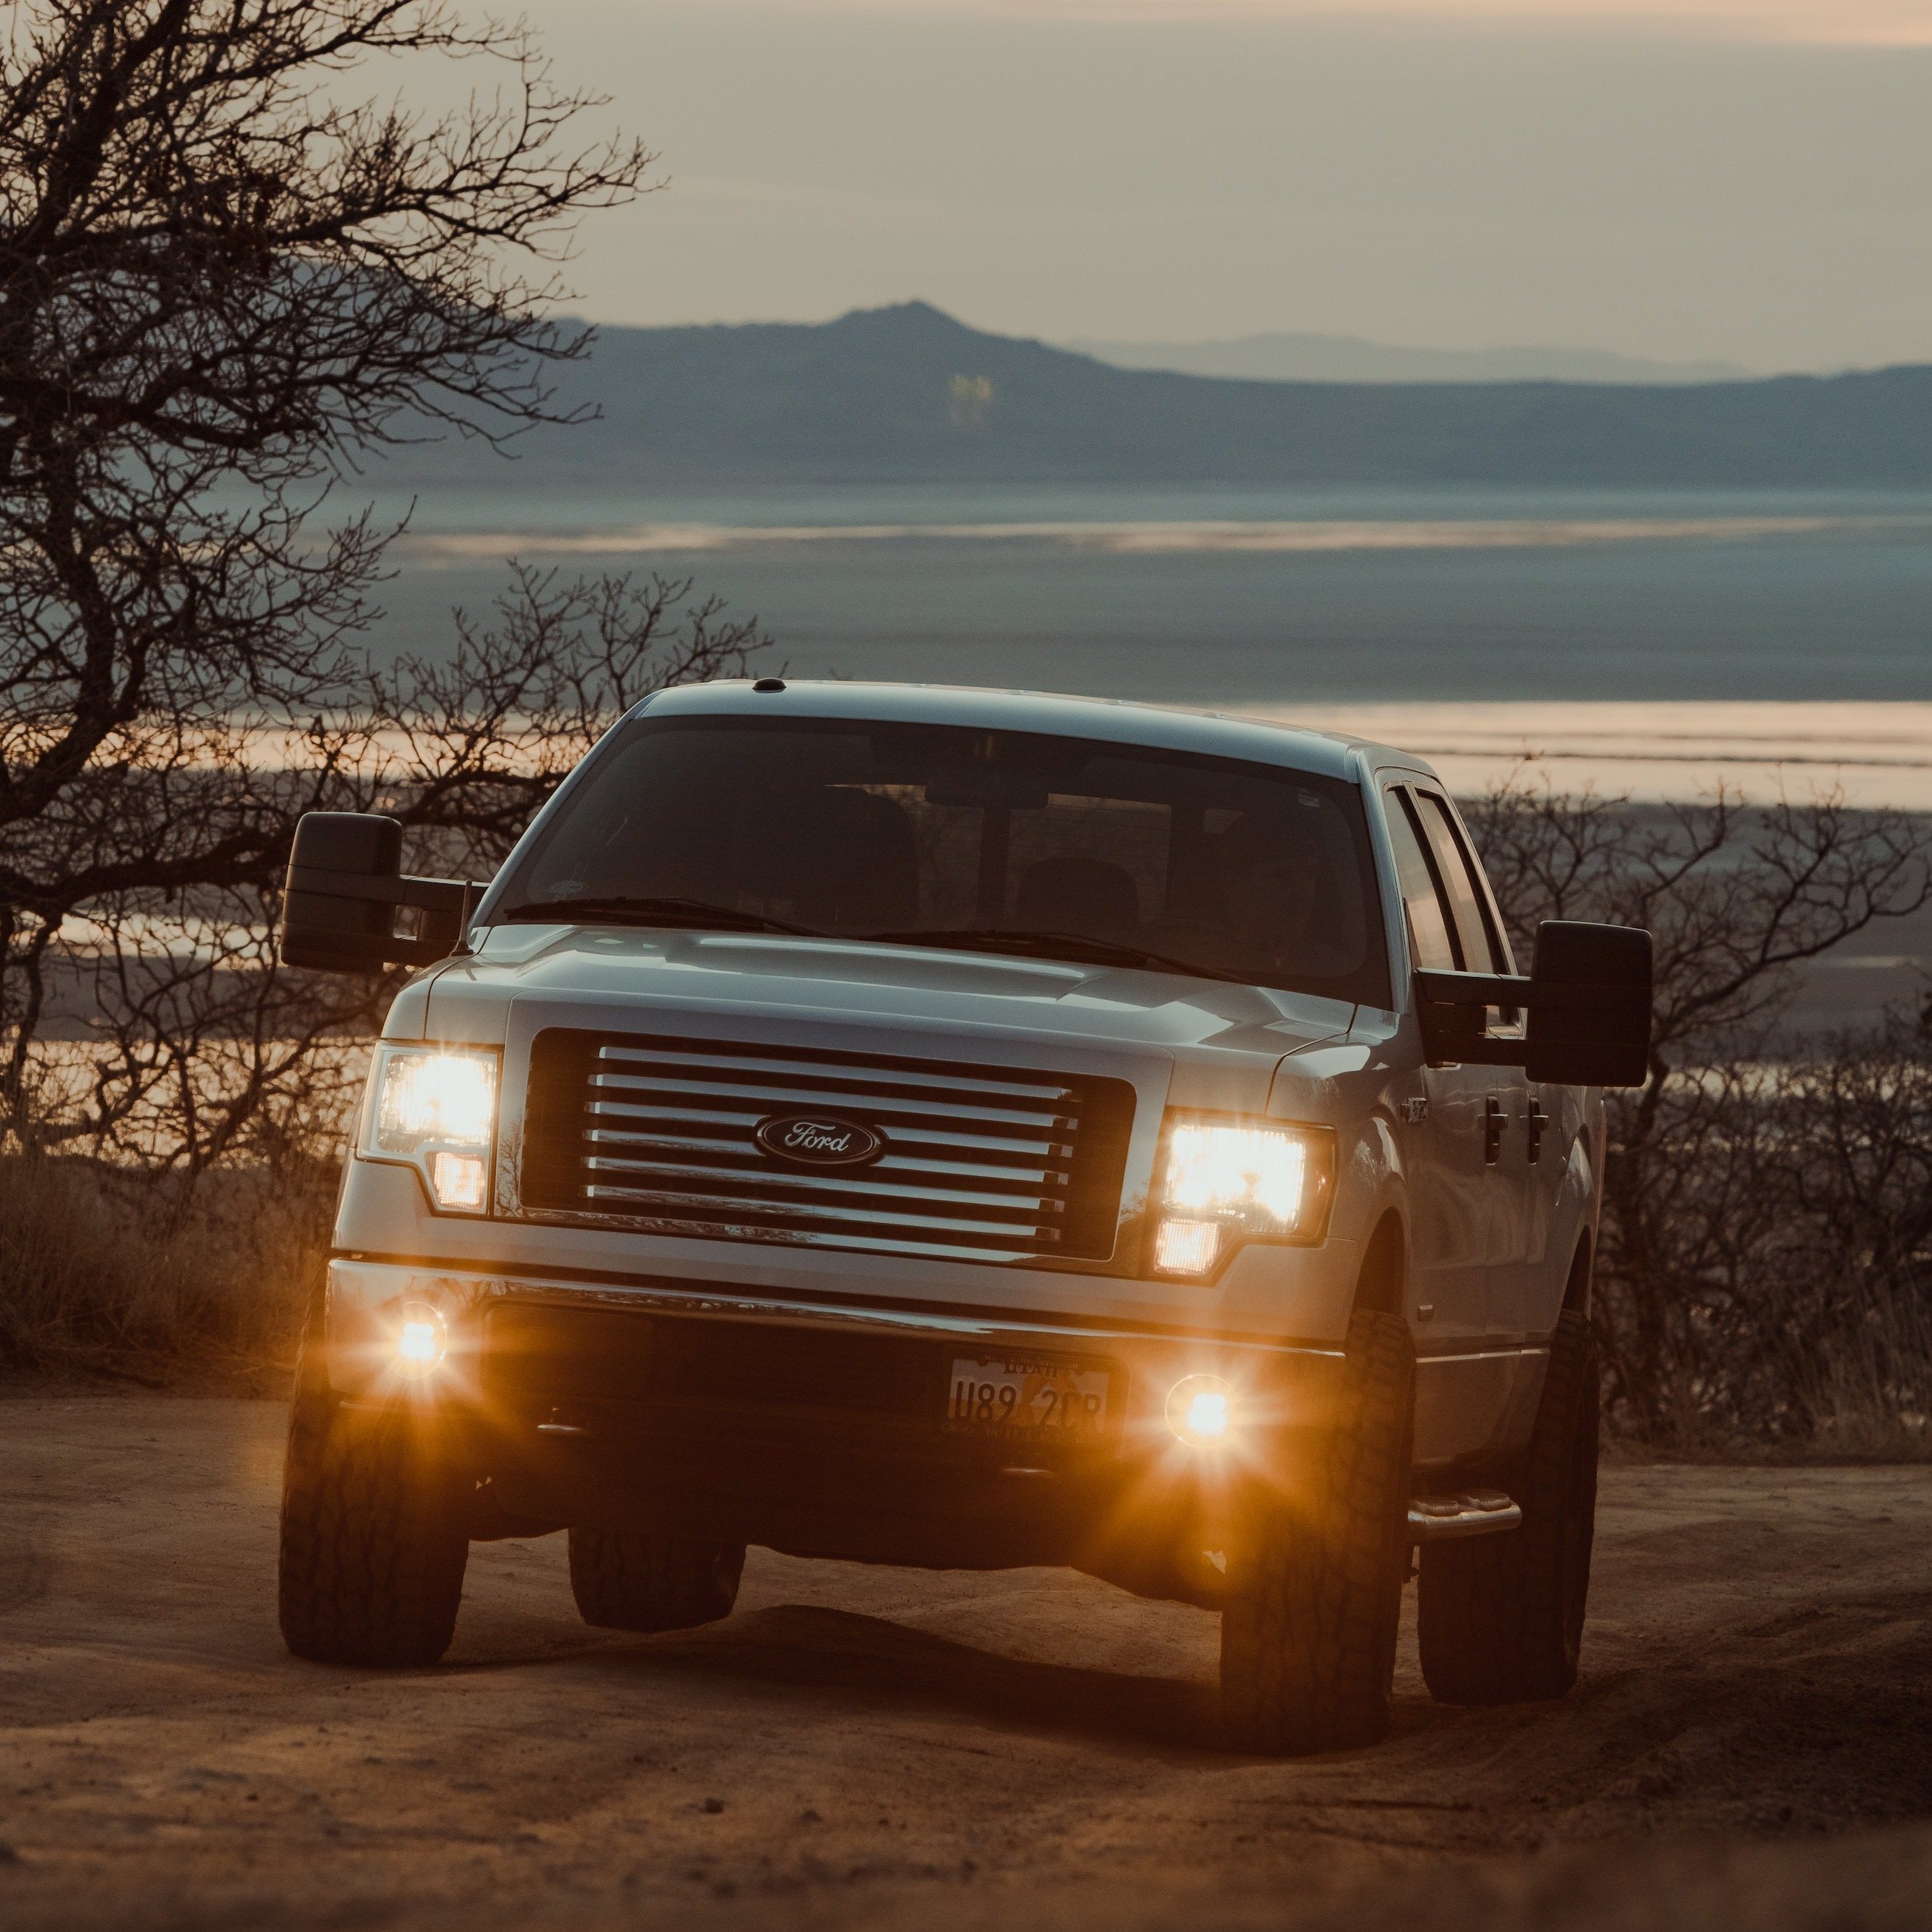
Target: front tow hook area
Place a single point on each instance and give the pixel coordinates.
(1474, 1513)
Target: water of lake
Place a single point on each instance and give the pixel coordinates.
(1240, 599)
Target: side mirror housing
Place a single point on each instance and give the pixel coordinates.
(347, 908)
(1588, 998)
(1590, 1005)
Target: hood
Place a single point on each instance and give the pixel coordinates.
(615, 971)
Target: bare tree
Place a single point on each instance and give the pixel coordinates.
(1716, 1176)
(220, 280)
(467, 748)
(201, 1047)
(213, 1085)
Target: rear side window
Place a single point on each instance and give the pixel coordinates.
(1429, 931)
(1481, 951)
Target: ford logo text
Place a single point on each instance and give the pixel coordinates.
(819, 1140)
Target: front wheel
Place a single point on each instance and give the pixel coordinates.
(1314, 1583)
(374, 1541)
(1500, 1618)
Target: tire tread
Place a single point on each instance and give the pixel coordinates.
(373, 1548)
(1308, 1634)
(630, 1579)
(1499, 1618)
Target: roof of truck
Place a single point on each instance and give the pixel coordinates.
(1158, 726)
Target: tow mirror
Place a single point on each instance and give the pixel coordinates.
(347, 907)
(1589, 1005)
(1587, 997)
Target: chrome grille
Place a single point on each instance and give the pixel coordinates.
(981, 1163)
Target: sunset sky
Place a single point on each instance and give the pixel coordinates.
(1750, 179)
(1886, 20)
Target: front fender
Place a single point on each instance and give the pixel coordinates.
(1574, 1213)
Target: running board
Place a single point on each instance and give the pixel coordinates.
(1476, 1512)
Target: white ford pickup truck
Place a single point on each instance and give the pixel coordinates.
(969, 1128)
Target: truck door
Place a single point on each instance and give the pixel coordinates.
(1527, 1295)
(1449, 1129)
(1511, 1122)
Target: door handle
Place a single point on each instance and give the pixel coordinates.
(1496, 1118)
(1535, 1121)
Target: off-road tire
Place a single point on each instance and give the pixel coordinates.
(1314, 1583)
(373, 1542)
(1500, 1618)
(625, 1579)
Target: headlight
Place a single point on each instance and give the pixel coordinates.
(435, 1107)
(1224, 1181)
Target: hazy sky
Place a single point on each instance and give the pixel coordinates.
(1752, 179)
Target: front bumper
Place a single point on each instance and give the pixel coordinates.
(740, 1415)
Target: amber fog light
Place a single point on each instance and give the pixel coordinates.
(1201, 1411)
(458, 1178)
(1186, 1246)
(422, 1339)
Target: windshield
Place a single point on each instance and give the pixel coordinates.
(939, 834)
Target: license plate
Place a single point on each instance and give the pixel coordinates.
(1027, 1399)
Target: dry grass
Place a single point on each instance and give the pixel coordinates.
(104, 1270)
(1872, 1391)
(1865, 1397)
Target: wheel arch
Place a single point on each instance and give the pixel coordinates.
(1577, 1284)
(1380, 1281)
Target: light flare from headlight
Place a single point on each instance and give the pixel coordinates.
(1201, 1411)
(422, 1339)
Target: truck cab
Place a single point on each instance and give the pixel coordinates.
(968, 1128)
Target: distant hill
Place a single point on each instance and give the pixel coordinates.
(908, 395)
(1288, 358)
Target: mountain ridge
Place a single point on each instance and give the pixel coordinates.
(1282, 355)
(907, 394)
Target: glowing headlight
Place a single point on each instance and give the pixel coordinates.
(440, 1096)
(435, 1107)
(1227, 1182)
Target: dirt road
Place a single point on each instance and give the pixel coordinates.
(1751, 1745)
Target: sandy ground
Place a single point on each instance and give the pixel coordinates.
(1750, 1747)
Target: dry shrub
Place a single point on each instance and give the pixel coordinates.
(105, 1271)
(1794, 1202)
(1765, 1256)
(237, 264)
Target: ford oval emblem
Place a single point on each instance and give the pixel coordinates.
(819, 1140)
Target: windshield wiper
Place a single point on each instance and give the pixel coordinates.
(1065, 945)
(623, 911)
